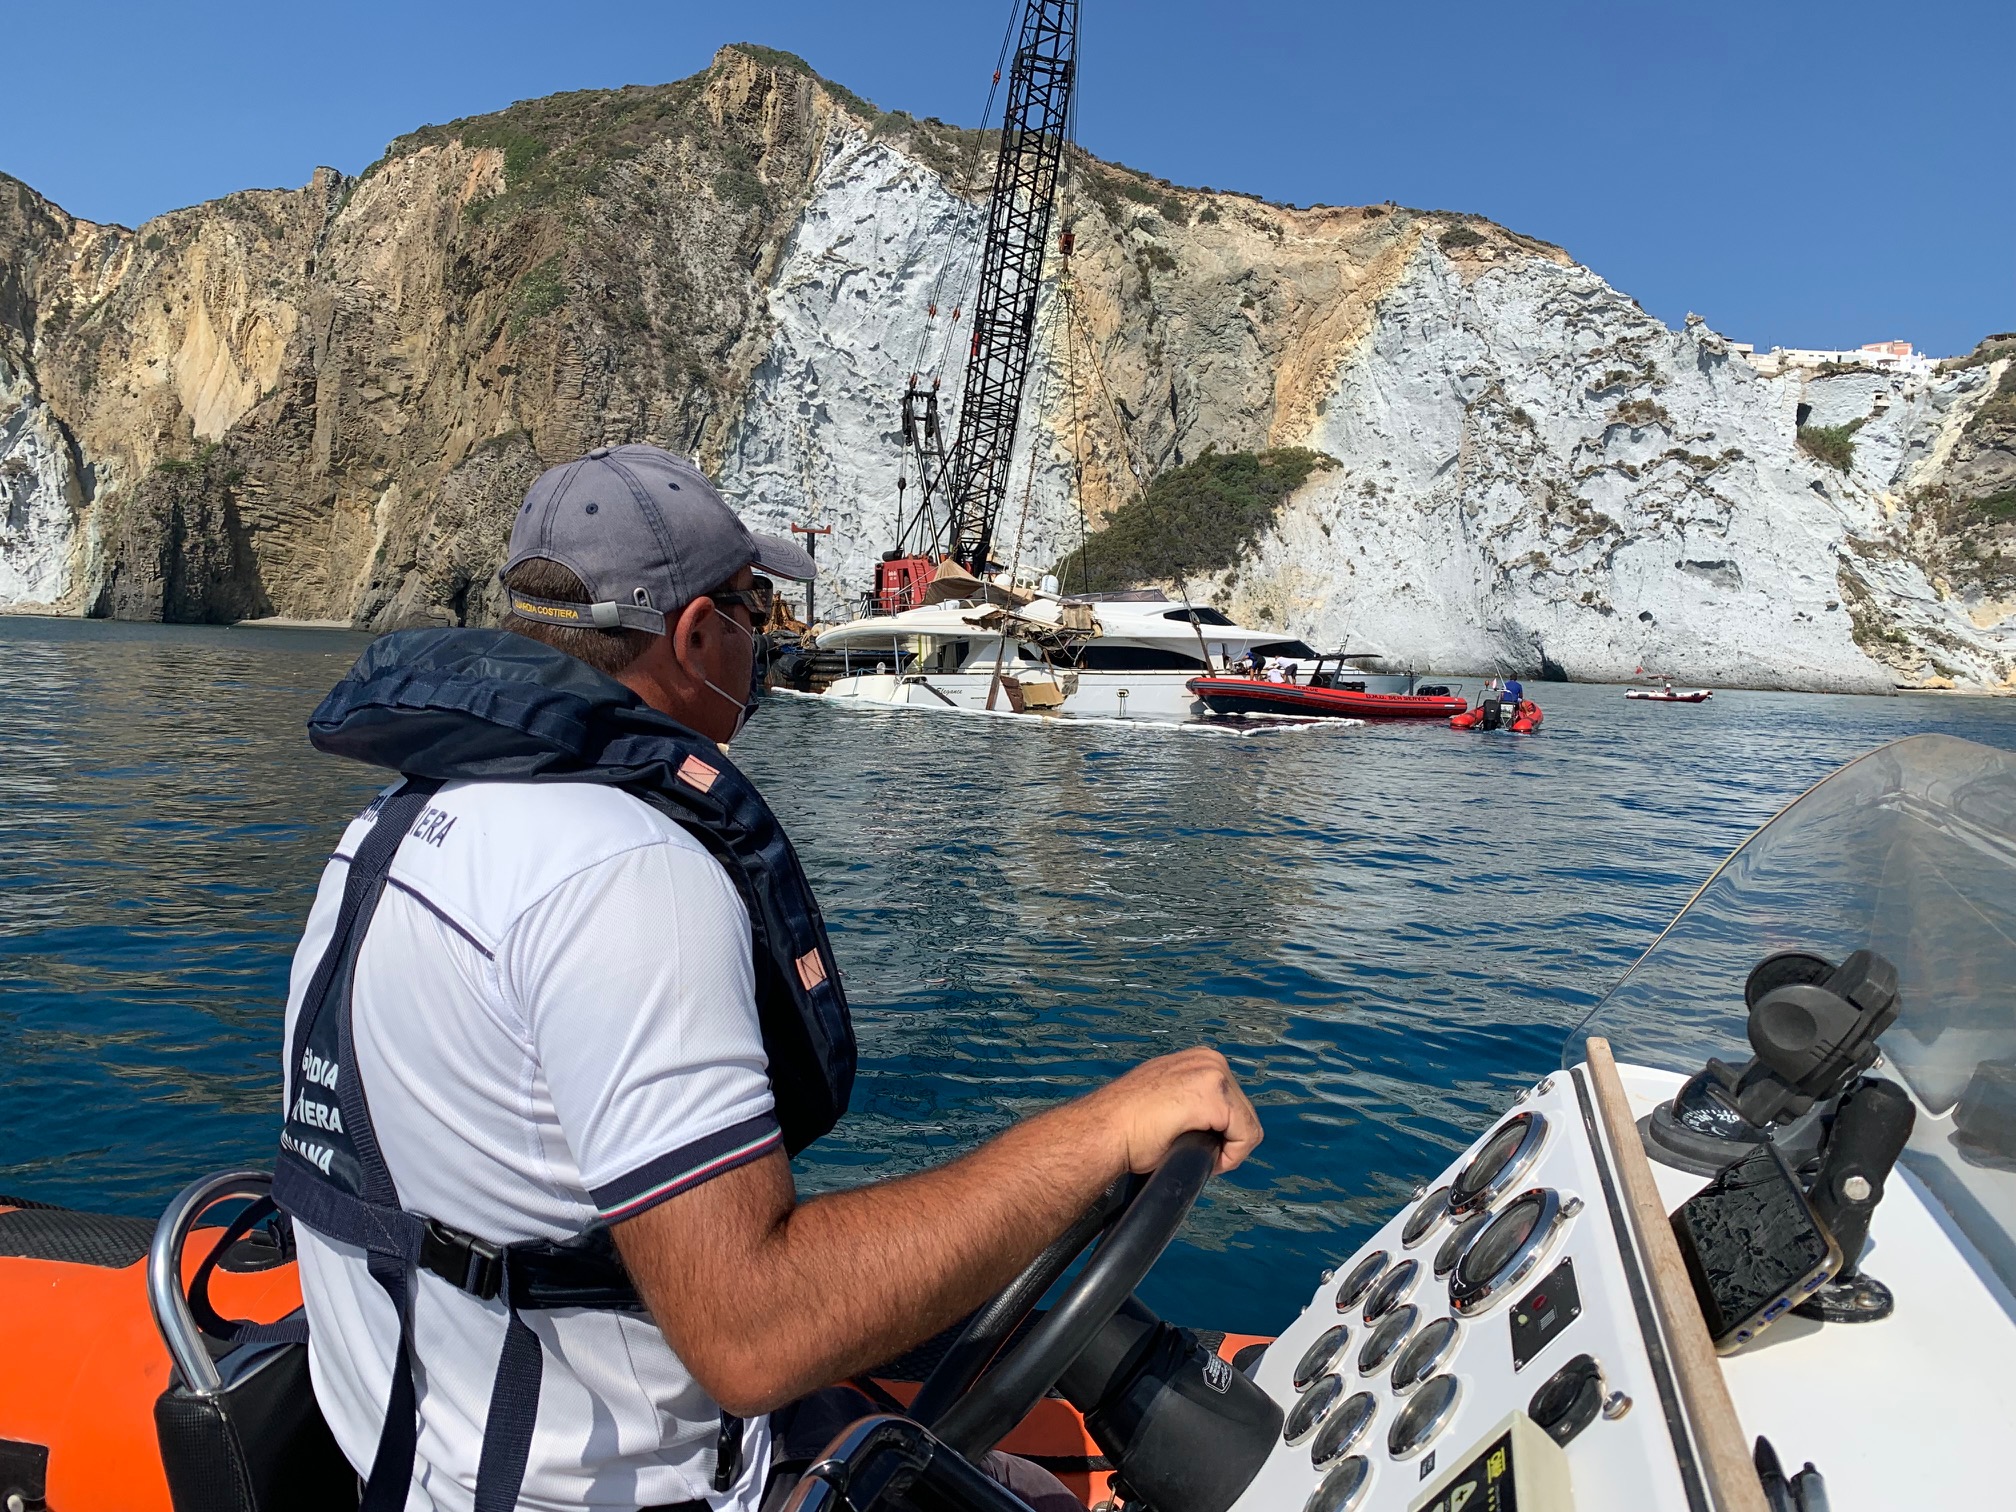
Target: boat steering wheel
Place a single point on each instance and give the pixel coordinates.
(970, 1399)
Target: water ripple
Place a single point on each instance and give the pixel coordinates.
(1386, 930)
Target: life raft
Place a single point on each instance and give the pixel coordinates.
(1522, 718)
(98, 1412)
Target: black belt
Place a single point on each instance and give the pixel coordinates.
(544, 1274)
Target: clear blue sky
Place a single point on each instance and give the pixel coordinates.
(1812, 174)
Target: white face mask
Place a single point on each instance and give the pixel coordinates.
(745, 706)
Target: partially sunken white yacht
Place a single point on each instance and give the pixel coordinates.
(1125, 655)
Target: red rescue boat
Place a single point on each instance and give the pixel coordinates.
(1521, 718)
(1253, 695)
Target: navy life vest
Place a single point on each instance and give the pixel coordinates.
(475, 705)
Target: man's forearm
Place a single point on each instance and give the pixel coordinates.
(845, 1281)
(765, 1299)
(906, 1258)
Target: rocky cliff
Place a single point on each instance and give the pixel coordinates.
(325, 402)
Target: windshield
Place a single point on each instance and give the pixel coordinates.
(1909, 851)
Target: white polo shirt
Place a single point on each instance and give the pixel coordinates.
(555, 1018)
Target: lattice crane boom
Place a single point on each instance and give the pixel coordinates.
(1033, 131)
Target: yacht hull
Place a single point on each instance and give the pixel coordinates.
(1104, 695)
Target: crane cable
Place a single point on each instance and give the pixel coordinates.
(1065, 291)
(954, 255)
(1021, 525)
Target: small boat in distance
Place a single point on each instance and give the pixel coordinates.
(1669, 694)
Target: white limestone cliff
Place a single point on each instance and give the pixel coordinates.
(40, 501)
(1535, 470)
(819, 442)
(326, 402)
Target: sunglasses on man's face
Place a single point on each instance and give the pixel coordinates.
(756, 598)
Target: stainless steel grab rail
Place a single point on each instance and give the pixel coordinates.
(165, 1296)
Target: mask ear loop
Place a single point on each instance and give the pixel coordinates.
(744, 707)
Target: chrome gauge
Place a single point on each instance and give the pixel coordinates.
(1343, 1428)
(1424, 1355)
(1385, 1340)
(1395, 1287)
(1426, 1218)
(1507, 1250)
(1499, 1166)
(1351, 1290)
(1343, 1488)
(1319, 1356)
(1311, 1408)
(1423, 1417)
(1457, 1240)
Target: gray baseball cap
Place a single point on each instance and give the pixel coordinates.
(644, 531)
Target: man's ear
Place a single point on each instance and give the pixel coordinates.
(691, 636)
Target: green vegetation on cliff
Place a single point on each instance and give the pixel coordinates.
(1999, 409)
(1198, 518)
(1831, 444)
(2001, 344)
(565, 144)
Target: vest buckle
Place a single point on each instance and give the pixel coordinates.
(465, 1262)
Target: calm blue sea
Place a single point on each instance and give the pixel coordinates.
(1387, 930)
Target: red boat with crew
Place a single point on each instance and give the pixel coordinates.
(1506, 708)
(1335, 690)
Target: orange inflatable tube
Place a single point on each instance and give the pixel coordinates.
(1521, 718)
(85, 1362)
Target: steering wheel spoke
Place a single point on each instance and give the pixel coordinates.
(973, 1414)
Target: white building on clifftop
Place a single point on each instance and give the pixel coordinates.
(1882, 356)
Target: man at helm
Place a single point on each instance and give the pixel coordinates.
(558, 1022)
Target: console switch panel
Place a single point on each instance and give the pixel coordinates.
(1543, 1312)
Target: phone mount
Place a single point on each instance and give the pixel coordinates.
(1872, 1124)
(1813, 1027)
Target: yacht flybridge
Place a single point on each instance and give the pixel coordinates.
(1751, 1249)
(1110, 655)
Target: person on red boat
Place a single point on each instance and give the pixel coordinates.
(590, 1001)
(1515, 691)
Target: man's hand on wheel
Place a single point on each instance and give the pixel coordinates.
(1149, 1107)
(765, 1298)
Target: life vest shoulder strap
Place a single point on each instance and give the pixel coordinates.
(331, 1177)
